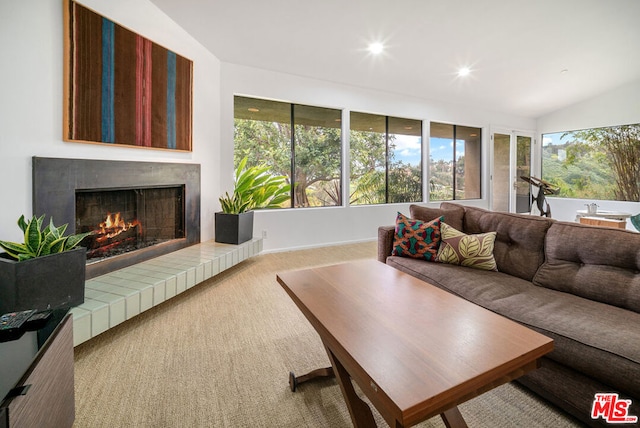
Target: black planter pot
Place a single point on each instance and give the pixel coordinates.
(234, 228)
(47, 282)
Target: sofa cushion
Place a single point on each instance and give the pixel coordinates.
(519, 246)
(478, 286)
(606, 347)
(601, 264)
(452, 213)
(415, 238)
(474, 251)
(571, 390)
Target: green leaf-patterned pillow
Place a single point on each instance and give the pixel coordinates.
(474, 251)
(416, 239)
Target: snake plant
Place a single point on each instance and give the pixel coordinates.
(38, 242)
(255, 188)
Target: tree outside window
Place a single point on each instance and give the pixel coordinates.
(454, 162)
(304, 143)
(301, 142)
(597, 163)
(317, 156)
(386, 159)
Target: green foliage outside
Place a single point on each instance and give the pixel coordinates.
(263, 143)
(368, 165)
(367, 180)
(318, 157)
(440, 180)
(600, 163)
(316, 179)
(405, 182)
(318, 165)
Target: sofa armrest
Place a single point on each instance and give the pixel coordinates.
(385, 242)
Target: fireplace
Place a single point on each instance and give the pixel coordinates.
(125, 220)
(135, 210)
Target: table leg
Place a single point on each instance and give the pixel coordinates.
(361, 414)
(294, 380)
(453, 418)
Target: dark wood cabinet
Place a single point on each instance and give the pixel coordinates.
(42, 361)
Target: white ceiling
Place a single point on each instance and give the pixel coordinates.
(516, 49)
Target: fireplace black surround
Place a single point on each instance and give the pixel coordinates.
(56, 182)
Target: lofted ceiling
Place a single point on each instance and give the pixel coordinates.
(527, 57)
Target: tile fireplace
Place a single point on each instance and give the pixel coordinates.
(136, 210)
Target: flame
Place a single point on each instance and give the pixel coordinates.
(114, 225)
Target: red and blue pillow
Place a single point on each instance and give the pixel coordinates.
(417, 239)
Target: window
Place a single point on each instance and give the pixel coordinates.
(386, 159)
(317, 156)
(454, 162)
(301, 142)
(597, 163)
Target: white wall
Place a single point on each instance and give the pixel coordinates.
(31, 42)
(309, 227)
(620, 106)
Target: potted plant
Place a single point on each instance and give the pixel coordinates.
(46, 271)
(254, 188)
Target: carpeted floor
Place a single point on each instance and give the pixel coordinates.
(219, 355)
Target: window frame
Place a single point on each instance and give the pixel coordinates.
(454, 160)
(595, 142)
(387, 154)
(291, 124)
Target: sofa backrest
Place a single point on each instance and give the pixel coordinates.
(519, 245)
(453, 213)
(597, 263)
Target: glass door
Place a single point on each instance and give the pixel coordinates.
(511, 159)
(501, 176)
(523, 168)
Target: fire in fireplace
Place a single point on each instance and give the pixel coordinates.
(124, 220)
(113, 235)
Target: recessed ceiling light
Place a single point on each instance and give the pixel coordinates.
(376, 48)
(464, 71)
(253, 109)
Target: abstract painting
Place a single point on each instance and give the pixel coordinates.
(122, 88)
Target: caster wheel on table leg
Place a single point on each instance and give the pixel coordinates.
(293, 383)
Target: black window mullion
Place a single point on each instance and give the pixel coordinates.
(455, 163)
(386, 160)
(293, 158)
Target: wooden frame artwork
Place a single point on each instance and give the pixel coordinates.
(121, 88)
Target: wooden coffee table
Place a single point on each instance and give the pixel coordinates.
(414, 350)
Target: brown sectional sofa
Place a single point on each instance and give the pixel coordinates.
(577, 284)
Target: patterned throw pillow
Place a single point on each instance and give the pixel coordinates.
(475, 251)
(415, 238)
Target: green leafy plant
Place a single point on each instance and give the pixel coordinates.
(38, 242)
(255, 188)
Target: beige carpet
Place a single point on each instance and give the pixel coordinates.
(219, 355)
